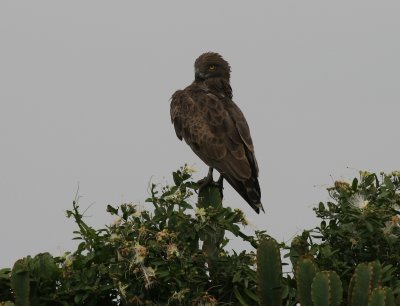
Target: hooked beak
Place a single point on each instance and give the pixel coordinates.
(199, 76)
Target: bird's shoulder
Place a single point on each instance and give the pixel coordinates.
(183, 104)
(195, 100)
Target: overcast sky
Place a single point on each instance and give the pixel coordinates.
(84, 98)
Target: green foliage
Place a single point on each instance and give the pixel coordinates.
(360, 224)
(5, 284)
(175, 252)
(149, 257)
(269, 272)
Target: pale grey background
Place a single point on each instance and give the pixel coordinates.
(85, 88)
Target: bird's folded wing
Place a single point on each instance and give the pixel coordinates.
(218, 133)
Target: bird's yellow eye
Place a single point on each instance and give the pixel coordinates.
(211, 67)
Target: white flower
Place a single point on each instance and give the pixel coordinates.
(243, 218)
(172, 250)
(190, 169)
(364, 174)
(395, 173)
(390, 225)
(174, 197)
(387, 230)
(137, 214)
(179, 296)
(149, 274)
(201, 213)
(149, 271)
(132, 205)
(162, 235)
(353, 242)
(139, 259)
(122, 288)
(358, 200)
(117, 221)
(69, 260)
(114, 237)
(140, 253)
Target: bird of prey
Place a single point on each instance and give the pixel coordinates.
(205, 116)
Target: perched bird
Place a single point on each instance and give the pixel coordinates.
(205, 116)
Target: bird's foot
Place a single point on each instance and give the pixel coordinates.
(205, 182)
(208, 181)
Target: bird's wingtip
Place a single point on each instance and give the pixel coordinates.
(260, 206)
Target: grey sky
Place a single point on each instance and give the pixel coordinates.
(85, 88)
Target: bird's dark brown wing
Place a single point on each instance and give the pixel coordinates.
(216, 130)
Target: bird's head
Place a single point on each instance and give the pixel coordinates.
(211, 65)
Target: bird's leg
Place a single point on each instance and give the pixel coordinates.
(220, 183)
(207, 180)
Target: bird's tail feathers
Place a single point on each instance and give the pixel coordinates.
(249, 190)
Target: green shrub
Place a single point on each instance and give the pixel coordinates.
(360, 224)
(174, 251)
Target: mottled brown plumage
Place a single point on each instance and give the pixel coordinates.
(205, 116)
